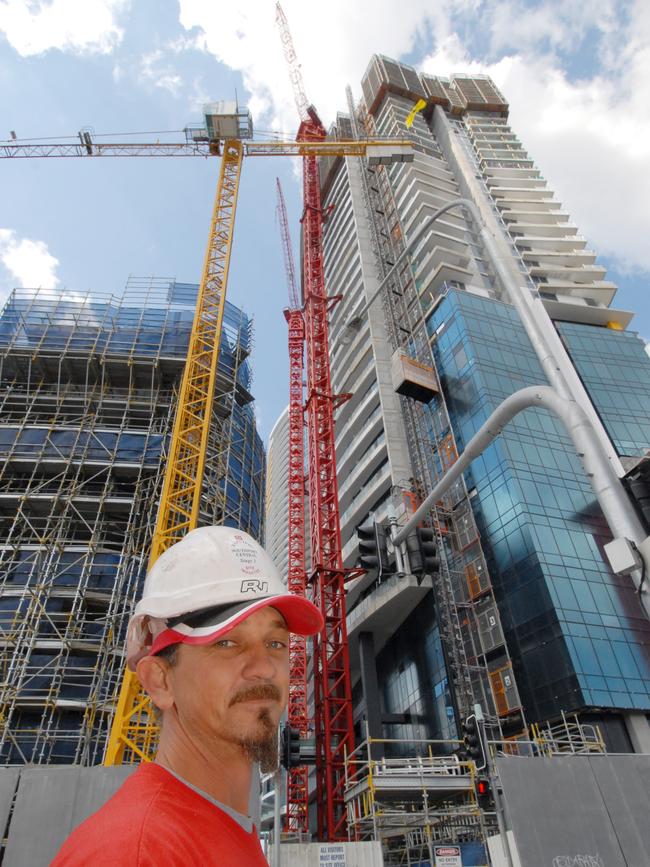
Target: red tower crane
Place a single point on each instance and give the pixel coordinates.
(297, 819)
(332, 686)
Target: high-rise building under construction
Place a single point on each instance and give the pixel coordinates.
(276, 502)
(525, 615)
(88, 390)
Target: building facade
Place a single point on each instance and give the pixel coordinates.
(88, 389)
(525, 616)
(276, 503)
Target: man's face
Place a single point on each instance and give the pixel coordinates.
(233, 692)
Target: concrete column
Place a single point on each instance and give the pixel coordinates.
(370, 688)
(638, 729)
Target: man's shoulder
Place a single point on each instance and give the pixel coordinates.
(153, 819)
(113, 835)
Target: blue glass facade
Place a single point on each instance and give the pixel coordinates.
(119, 329)
(414, 680)
(615, 370)
(577, 634)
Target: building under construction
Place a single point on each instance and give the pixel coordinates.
(88, 392)
(526, 616)
(522, 614)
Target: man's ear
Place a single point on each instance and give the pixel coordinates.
(153, 674)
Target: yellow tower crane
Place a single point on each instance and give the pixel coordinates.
(227, 132)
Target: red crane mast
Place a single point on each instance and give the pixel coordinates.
(297, 818)
(332, 686)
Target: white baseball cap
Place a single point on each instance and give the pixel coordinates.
(205, 585)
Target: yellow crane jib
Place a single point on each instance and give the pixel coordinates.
(205, 147)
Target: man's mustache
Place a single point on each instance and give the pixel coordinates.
(261, 692)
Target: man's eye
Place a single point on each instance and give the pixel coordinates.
(225, 642)
(277, 645)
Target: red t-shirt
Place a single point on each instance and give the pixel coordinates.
(155, 820)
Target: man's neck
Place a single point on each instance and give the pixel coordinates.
(224, 774)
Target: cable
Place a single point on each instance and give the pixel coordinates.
(41, 138)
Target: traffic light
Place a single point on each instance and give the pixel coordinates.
(474, 739)
(373, 548)
(637, 482)
(484, 793)
(289, 747)
(369, 556)
(422, 550)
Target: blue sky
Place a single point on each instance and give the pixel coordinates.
(576, 76)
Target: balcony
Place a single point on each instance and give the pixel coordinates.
(601, 291)
(551, 258)
(543, 226)
(438, 256)
(446, 272)
(506, 172)
(545, 211)
(564, 311)
(513, 194)
(513, 182)
(539, 246)
(580, 274)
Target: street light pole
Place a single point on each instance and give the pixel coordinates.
(600, 472)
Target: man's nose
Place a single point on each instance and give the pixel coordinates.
(260, 663)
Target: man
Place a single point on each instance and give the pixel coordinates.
(210, 644)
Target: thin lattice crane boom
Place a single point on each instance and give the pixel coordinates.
(297, 814)
(289, 266)
(295, 74)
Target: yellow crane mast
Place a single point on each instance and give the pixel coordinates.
(134, 731)
(133, 735)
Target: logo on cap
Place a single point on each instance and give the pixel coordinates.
(254, 585)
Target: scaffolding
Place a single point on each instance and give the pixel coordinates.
(567, 736)
(413, 794)
(88, 390)
(421, 796)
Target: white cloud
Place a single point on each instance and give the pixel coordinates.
(29, 263)
(590, 136)
(155, 70)
(333, 45)
(70, 25)
(550, 25)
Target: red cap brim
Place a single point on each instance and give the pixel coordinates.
(302, 617)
